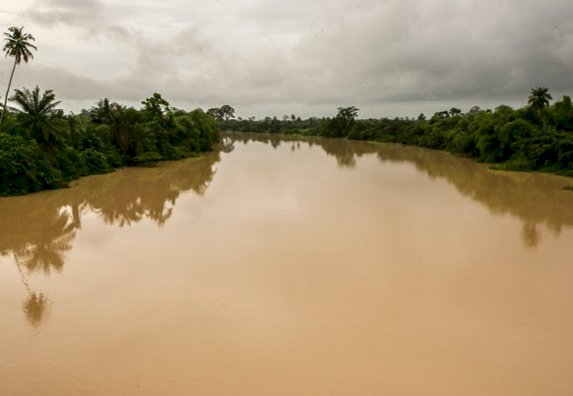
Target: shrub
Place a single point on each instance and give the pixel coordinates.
(23, 168)
(94, 162)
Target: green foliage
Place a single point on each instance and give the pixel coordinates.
(23, 168)
(341, 125)
(43, 148)
(539, 98)
(223, 113)
(38, 114)
(535, 137)
(94, 162)
(155, 107)
(563, 114)
(19, 44)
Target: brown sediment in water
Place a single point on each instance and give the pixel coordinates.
(313, 266)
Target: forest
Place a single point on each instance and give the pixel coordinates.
(538, 136)
(43, 148)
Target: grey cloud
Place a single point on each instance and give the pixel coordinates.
(266, 55)
(425, 55)
(69, 85)
(91, 16)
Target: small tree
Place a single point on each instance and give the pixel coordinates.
(227, 112)
(155, 107)
(341, 125)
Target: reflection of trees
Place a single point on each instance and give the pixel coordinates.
(131, 195)
(345, 151)
(534, 198)
(46, 253)
(37, 230)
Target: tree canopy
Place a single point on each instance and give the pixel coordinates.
(41, 147)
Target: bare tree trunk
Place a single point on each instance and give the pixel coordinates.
(8, 90)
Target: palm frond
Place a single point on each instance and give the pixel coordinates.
(19, 45)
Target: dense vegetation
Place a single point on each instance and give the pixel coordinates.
(538, 136)
(43, 148)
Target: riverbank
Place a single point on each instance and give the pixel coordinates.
(62, 148)
(526, 139)
(152, 162)
(493, 166)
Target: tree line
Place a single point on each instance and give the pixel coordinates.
(538, 136)
(41, 147)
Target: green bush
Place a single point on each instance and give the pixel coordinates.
(94, 162)
(23, 168)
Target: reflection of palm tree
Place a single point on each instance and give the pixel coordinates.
(47, 255)
(38, 229)
(36, 305)
(46, 251)
(36, 308)
(530, 235)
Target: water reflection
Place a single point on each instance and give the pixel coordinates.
(536, 199)
(36, 308)
(38, 230)
(36, 305)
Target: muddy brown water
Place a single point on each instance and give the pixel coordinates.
(291, 267)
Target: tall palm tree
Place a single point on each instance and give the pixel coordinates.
(539, 98)
(18, 45)
(539, 101)
(37, 112)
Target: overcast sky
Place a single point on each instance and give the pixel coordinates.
(274, 57)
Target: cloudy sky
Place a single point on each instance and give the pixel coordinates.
(274, 57)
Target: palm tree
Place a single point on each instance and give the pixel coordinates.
(121, 122)
(37, 112)
(539, 98)
(101, 113)
(18, 45)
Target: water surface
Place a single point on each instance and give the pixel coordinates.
(291, 267)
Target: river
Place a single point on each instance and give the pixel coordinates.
(291, 267)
